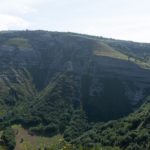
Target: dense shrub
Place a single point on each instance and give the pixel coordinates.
(8, 137)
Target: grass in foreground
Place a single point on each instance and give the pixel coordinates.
(25, 141)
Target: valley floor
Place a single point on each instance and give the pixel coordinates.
(26, 141)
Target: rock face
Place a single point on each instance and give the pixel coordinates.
(106, 87)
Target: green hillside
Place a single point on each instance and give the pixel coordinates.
(132, 132)
(71, 86)
(106, 50)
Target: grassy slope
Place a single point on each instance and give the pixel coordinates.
(105, 50)
(32, 142)
(19, 42)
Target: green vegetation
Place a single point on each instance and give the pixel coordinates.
(26, 140)
(77, 126)
(131, 132)
(64, 90)
(2, 147)
(19, 42)
(8, 138)
(105, 50)
(105, 106)
(137, 53)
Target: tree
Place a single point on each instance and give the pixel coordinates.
(8, 137)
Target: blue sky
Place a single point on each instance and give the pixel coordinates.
(121, 19)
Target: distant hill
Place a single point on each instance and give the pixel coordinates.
(65, 83)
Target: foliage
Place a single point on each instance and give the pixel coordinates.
(66, 83)
(131, 132)
(8, 137)
(77, 125)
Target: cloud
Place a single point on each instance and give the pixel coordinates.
(12, 22)
(17, 6)
(13, 14)
(135, 28)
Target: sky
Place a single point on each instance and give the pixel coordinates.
(119, 19)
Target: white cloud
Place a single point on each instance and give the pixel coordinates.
(12, 22)
(135, 28)
(18, 6)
